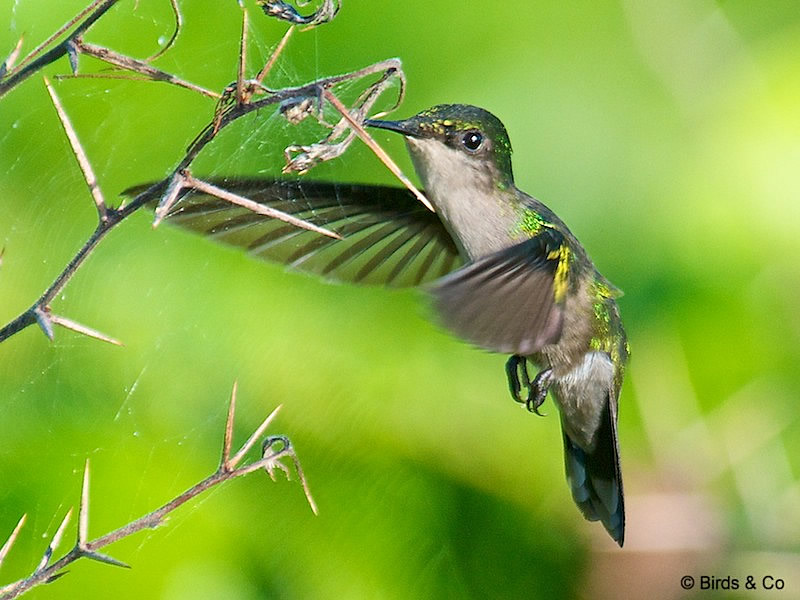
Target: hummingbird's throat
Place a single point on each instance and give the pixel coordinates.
(478, 214)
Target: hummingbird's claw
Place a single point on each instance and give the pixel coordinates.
(533, 406)
(517, 373)
(518, 378)
(538, 391)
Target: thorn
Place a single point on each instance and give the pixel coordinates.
(262, 74)
(310, 498)
(274, 460)
(252, 439)
(93, 10)
(58, 575)
(242, 60)
(83, 512)
(83, 329)
(8, 63)
(54, 543)
(72, 54)
(306, 490)
(170, 197)
(2, 253)
(45, 322)
(255, 207)
(373, 145)
(12, 538)
(228, 439)
(80, 154)
(105, 558)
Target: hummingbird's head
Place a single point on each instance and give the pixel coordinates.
(456, 144)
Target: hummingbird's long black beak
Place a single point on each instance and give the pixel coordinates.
(407, 127)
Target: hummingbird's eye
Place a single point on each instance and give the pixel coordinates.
(472, 140)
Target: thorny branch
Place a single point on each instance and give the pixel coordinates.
(237, 100)
(273, 450)
(74, 45)
(245, 96)
(37, 59)
(79, 46)
(12, 74)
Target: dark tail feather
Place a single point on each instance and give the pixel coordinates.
(595, 478)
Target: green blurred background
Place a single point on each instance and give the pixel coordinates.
(666, 133)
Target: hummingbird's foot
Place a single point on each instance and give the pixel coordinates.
(517, 373)
(538, 391)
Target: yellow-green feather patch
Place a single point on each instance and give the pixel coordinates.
(530, 223)
(563, 254)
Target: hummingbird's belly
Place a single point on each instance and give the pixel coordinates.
(581, 395)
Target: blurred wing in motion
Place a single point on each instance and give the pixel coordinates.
(510, 301)
(389, 236)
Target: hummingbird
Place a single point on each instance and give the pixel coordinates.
(502, 270)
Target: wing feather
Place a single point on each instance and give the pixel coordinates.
(388, 236)
(507, 302)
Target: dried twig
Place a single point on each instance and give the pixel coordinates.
(141, 67)
(30, 65)
(238, 100)
(255, 207)
(250, 95)
(184, 180)
(329, 148)
(281, 10)
(274, 449)
(74, 45)
(176, 11)
(40, 311)
(379, 152)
